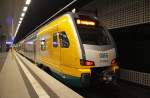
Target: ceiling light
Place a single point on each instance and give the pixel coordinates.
(74, 10)
(21, 18)
(22, 15)
(19, 22)
(25, 8)
(28, 2)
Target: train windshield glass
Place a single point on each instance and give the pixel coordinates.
(93, 35)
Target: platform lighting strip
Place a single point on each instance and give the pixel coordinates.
(25, 8)
(28, 3)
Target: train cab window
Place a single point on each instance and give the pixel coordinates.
(93, 35)
(64, 41)
(90, 31)
(55, 40)
(43, 45)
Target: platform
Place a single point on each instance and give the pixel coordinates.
(12, 84)
(20, 78)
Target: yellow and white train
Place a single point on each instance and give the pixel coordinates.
(76, 48)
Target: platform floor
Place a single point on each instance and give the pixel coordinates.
(3, 56)
(12, 84)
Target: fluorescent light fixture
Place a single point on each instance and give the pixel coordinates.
(28, 2)
(22, 15)
(17, 29)
(20, 22)
(21, 18)
(74, 10)
(25, 8)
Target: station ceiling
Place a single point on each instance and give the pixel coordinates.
(38, 12)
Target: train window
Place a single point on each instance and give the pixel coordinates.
(43, 45)
(93, 35)
(55, 40)
(64, 42)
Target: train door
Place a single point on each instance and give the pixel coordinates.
(70, 56)
(68, 50)
(34, 51)
(37, 49)
(55, 54)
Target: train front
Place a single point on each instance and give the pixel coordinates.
(99, 51)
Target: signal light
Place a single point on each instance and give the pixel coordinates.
(113, 61)
(89, 63)
(115, 67)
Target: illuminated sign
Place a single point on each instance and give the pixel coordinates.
(30, 42)
(9, 43)
(85, 22)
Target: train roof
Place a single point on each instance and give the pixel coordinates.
(74, 15)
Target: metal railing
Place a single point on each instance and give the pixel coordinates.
(135, 77)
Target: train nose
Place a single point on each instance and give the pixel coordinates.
(107, 77)
(85, 79)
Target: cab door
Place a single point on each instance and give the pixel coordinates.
(55, 53)
(69, 54)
